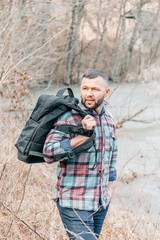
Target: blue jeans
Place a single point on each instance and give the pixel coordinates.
(86, 224)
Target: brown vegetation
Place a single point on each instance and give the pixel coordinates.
(54, 42)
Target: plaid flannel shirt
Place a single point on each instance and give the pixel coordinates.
(79, 185)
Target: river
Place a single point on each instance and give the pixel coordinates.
(138, 185)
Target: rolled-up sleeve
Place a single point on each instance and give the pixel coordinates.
(66, 145)
(55, 142)
(53, 146)
(113, 175)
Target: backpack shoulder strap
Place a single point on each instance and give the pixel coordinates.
(83, 147)
(74, 129)
(62, 91)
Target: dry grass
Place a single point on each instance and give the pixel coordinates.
(124, 225)
(29, 212)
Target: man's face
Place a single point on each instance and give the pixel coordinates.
(93, 92)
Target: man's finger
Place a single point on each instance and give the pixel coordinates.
(87, 117)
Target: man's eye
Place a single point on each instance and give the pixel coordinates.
(95, 89)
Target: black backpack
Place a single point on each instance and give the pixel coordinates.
(46, 111)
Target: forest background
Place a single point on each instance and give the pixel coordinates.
(51, 43)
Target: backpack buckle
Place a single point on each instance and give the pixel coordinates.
(85, 132)
(71, 154)
(81, 131)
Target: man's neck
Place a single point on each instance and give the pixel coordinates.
(98, 110)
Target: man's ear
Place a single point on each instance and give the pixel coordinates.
(107, 91)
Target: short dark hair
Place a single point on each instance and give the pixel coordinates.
(93, 73)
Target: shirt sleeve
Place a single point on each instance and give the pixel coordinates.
(53, 146)
(112, 169)
(57, 142)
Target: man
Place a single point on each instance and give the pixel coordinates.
(85, 182)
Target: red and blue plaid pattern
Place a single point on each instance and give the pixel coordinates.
(83, 180)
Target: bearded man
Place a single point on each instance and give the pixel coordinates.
(85, 181)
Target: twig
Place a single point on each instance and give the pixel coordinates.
(24, 189)
(129, 118)
(113, 91)
(4, 167)
(29, 55)
(84, 223)
(145, 121)
(22, 221)
(21, 199)
(129, 161)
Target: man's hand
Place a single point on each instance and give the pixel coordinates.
(88, 122)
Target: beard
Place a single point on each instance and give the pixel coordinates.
(94, 105)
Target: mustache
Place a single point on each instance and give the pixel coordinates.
(90, 98)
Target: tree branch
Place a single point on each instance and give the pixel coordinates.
(29, 55)
(129, 118)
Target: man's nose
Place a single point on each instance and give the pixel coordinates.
(89, 92)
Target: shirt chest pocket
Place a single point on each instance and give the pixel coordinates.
(108, 146)
(108, 141)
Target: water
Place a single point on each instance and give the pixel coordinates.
(138, 186)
